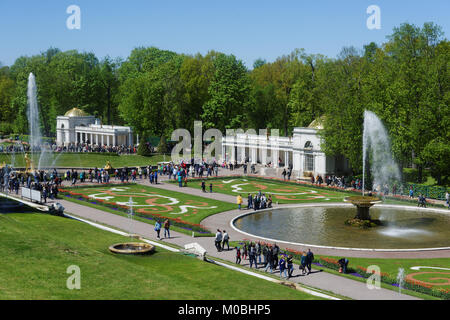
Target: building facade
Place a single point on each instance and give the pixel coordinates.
(301, 152)
(76, 126)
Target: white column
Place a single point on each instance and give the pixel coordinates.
(114, 139)
(286, 158)
(233, 153)
(130, 139)
(102, 139)
(107, 140)
(96, 138)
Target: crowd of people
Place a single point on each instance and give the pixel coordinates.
(256, 202)
(265, 256)
(46, 183)
(79, 147)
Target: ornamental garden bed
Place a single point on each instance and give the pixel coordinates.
(150, 204)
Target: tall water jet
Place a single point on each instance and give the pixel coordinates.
(383, 168)
(33, 113)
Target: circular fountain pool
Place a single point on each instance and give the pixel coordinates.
(323, 226)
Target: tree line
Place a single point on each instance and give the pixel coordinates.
(404, 81)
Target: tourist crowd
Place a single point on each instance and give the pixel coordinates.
(73, 147)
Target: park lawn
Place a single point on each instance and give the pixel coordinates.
(282, 192)
(37, 249)
(149, 200)
(84, 160)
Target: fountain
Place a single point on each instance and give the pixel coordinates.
(33, 113)
(400, 279)
(383, 167)
(132, 247)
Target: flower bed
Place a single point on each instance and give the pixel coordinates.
(150, 216)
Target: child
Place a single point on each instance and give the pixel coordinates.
(238, 255)
(210, 188)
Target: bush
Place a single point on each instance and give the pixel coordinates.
(144, 149)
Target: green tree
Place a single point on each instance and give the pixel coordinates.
(229, 92)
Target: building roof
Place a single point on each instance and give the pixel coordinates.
(75, 112)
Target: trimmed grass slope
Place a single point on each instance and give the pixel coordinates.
(37, 249)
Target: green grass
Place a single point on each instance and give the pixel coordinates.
(282, 192)
(85, 160)
(37, 249)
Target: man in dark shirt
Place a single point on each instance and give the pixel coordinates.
(309, 260)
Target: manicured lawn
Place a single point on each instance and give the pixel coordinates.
(281, 192)
(37, 249)
(149, 200)
(84, 160)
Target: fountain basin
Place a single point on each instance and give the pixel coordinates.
(321, 226)
(132, 248)
(362, 203)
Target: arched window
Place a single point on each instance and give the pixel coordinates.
(308, 145)
(62, 126)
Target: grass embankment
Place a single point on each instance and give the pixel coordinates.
(37, 249)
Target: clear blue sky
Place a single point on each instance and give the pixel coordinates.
(248, 29)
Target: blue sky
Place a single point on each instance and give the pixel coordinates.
(248, 29)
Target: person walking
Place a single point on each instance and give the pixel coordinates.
(269, 264)
(218, 240)
(238, 255)
(249, 201)
(244, 251)
(309, 260)
(226, 238)
(158, 228)
(258, 252)
(203, 186)
(275, 252)
(239, 201)
(265, 251)
(252, 255)
(167, 228)
(283, 266)
(290, 265)
(303, 263)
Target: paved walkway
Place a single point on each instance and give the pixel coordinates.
(322, 280)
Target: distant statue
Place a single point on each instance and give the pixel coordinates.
(29, 164)
(108, 165)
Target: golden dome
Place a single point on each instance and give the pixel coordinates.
(75, 112)
(317, 123)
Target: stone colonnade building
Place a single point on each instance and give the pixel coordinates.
(76, 126)
(301, 152)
